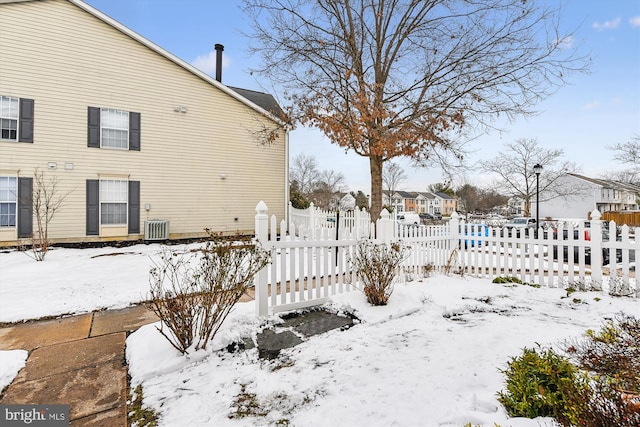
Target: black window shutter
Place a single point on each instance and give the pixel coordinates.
(134, 207)
(26, 120)
(93, 135)
(134, 131)
(25, 207)
(93, 202)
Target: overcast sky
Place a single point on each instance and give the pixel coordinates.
(596, 111)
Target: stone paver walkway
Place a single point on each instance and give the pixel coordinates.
(80, 360)
(76, 360)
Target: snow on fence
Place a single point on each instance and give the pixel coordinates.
(311, 260)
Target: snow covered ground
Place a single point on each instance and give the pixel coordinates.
(429, 358)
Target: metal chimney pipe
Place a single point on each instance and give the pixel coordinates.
(219, 48)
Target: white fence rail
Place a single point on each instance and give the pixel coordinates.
(311, 259)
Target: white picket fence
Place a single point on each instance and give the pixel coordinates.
(309, 264)
(357, 221)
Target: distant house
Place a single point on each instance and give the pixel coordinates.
(408, 201)
(394, 200)
(130, 132)
(449, 204)
(590, 193)
(346, 202)
(515, 206)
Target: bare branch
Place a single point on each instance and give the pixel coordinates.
(410, 77)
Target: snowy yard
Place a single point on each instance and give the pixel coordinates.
(430, 358)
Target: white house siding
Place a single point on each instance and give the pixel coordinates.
(67, 60)
(578, 205)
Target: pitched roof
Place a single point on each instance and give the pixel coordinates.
(444, 196)
(261, 102)
(264, 100)
(606, 183)
(406, 194)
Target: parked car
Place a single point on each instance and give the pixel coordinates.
(426, 216)
(409, 218)
(520, 223)
(473, 234)
(587, 250)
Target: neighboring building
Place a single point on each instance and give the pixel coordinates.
(448, 204)
(420, 202)
(394, 200)
(590, 194)
(428, 203)
(408, 201)
(130, 131)
(515, 206)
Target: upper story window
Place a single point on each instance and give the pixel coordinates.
(114, 128)
(9, 117)
(8, 200)
(16, 119)
(111, 128)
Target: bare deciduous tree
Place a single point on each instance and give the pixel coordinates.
(304, 170)
(627, 153)
(408, 77)
(514, 167)
(392, 176)
(329, 184)
(46, 201)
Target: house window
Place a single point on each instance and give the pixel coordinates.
(16, 119)
(110, 128)
(113, 202)
(114, 128)
(9, 114)
(8, 201)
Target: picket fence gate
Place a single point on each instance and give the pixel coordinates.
(312, 261)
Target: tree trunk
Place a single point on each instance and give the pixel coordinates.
(375, 166)
(527, 206)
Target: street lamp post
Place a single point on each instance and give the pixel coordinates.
(537, 169)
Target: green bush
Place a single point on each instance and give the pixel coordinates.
(506, 279)
(542, 384)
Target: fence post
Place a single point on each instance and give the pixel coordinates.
(260, 280)
(312, 216)
(596, 250)
(384, 226)
(453, 229)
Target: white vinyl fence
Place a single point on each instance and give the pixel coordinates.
(311, 259)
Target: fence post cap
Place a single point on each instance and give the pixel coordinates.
(261, 207)
(455, 215)
(596, 215)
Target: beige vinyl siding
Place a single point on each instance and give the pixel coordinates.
(67, 60)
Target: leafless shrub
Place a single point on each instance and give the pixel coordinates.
(192, 297)
(603, 404)
(612, 356)
(46, 201)
(377, 265)
(454, 264)
(613, 351)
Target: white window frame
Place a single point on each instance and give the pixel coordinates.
(9, 201)
(110, 194)
(10, 111)
(113, 121)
